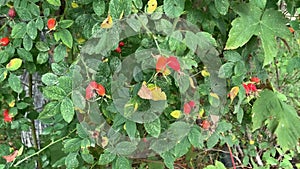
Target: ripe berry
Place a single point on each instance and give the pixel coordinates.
(187, 108)
(4, 41)
(192, 104)
(205, 124)
(118, 49)
(6, 115)
(12, 12)
(51, 24)
(121, 44)
(255, 79)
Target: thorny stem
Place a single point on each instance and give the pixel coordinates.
(44, 148)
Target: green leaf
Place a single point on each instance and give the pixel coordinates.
(54, 2)
(218, 165)
(15, 83)
(31, 29)
(65, 36)
(222, 6)
(174, 8)
(24, 54)
(65, 23)
(42, 46)
(168, 159)
(153, 128)
(71, 161)
(72, 145)
(3, 74)
(212, 140)
(232, 56)
(39, 23)
(123, 163)
(27, 43)
(279, 117)
(223, 126)
(253, 21)
(106, 158)
(88, 158)
(4, 56)
(226, 70)
(34, 9)
(195, 137)
(50, 110)
(181, 148)
(65, 82)
(240, 68)
(190, 41)
(14, 64)
(18, 30)
(60, 52)
(124, 148)
(130, 128)
(99, 7)
(23, 13)
(54, 93)
(182, 81)
(67, 109)
(49, 79)
(78, 99)
(138, 4)
(42, 57)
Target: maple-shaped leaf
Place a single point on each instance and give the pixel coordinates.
(267, 25)
(11, 157)
(280, 118)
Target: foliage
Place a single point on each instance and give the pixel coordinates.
(149, 84)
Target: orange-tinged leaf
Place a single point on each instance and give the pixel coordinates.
(152, 5)
(11, 157)
(107, 23)
(173, 63)
(14, 64)
(176, 114)
(161, 64)
(233, 92)
(145, 92)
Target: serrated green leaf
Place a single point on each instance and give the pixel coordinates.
(99, 7)
(106, 158)
(222, 6)
(14, 64)
(31, 29)
(4, 56)
(88, 158)
(50, 110)
(279, 117)
(123, 163)
(23, 13)
(42, 57)
(49, 79)
(195, 137)
(18, 30)
(15, 83)
(67, 109)
(212, 140)
(72, 145)
(153, 128)
(66, 23)
(54, 93)
(173, 8)
(65, 82)
(190, 41)
(27, 43)
(232, 56)
(71, 160)
(54, 2)
(42, 46)
(226, 70)
(24, 54)
(60, 52)
(182, 81)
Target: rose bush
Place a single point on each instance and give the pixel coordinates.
(149, 84)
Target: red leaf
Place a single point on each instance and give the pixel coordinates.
(186, 108)
(91, 88)
(11, 157)
(89, 93)
(161, 64)
(100, 90)
(173, 63)
(246, 87)
(252, 87)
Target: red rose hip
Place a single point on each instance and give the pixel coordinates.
(51, 23)
(4, 41)
(12, 12)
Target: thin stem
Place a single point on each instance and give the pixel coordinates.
(44, 148)
(277, 72)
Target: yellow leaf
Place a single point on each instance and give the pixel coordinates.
(214, 95)
(107, 23)
(136, 106)
(233, 92)
(205, 73)
(176, 114)
(201, 113)
(74, 5)
(14, 64)
(166, 72)
(151, 92)
(81, 40)
(152, 5)
(251, 142)
(12, 103)
(157, 94)
(192, 84)
(104, 141)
